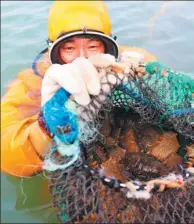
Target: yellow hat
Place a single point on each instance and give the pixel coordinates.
(71, 18)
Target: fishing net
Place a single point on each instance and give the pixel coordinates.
(136, 140)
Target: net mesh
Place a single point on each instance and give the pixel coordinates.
(144, 133)
(79, 197)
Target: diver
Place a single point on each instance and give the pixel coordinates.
(77, 30)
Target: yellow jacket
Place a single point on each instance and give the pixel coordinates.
(23, 143)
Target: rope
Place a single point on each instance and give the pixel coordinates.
(140, 189)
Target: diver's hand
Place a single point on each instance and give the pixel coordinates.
(80, 78)
(133, 61)
(132, 57)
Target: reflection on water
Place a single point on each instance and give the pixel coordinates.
(165, 29)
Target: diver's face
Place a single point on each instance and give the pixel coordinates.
(80, 47)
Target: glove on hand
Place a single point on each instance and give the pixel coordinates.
(80, 78)
(132, 57)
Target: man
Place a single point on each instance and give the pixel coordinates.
(77, 31)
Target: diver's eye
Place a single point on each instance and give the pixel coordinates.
(69, 49)
(93, 47)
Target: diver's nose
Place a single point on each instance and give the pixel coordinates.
(83, 53)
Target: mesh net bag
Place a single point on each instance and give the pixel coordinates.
(137, 166)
